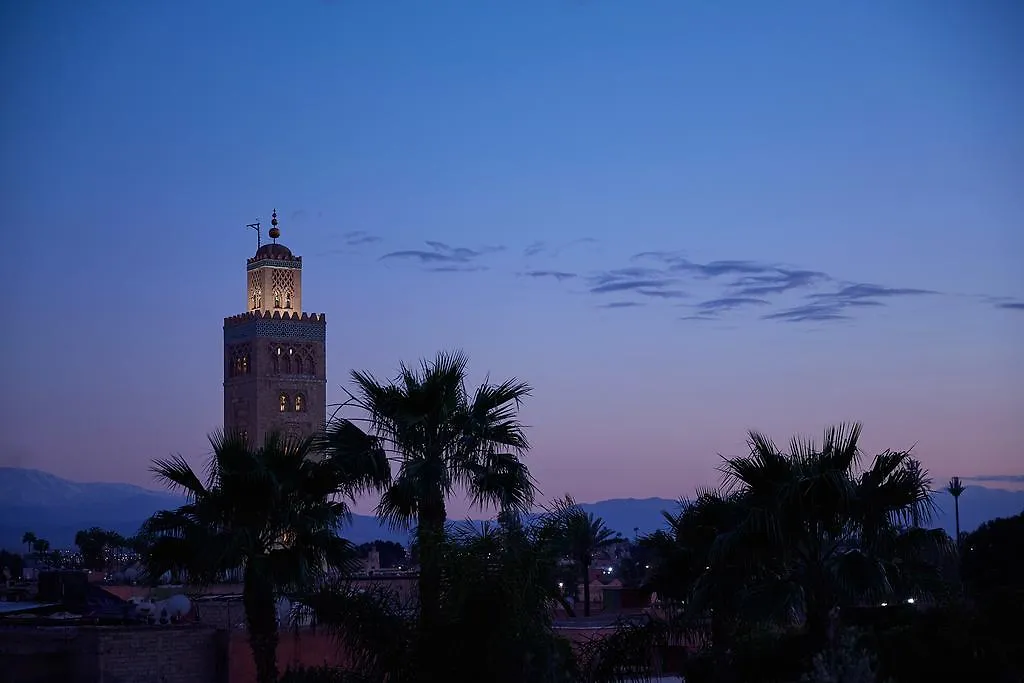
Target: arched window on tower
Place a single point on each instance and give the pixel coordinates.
(298, 365)
(288, 299)
(282, 403)
(245, 364)
(277, 298)
(300, 403)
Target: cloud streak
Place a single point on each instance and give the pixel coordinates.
(442, 256)
(360, 237)
(729, 303)
(621, 304)
(543, 248)
(783, 292)
(839, 305)
(559, 275)
(629, 285)
(1003, 478)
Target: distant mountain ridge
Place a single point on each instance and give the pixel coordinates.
(55, 509)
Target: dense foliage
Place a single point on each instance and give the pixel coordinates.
(273, 512)
(810, 564)
(443, 438)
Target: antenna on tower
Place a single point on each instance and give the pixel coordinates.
(256, 226)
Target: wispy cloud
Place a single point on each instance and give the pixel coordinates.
(860, 292)
(718, 268)
(357, 238)
(664, 293)
(548, 249)
(776, 281)
(728, 304)
(533, 249)
(784, 292)
(456, 269)
(747, 283)
(826, 306)
(441, 253)
(556, 274)
(658, 255)
(645, 281)
(808, 313)
(629, 285)
(621, 304)
(1004, 478)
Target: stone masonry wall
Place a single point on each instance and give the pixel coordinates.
(114, 654)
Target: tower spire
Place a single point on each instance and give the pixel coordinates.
(274, 232)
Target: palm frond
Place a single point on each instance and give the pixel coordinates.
(177, 475)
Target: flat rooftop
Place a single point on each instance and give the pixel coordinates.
(15, 607)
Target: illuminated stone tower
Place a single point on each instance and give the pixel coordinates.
(274, 354)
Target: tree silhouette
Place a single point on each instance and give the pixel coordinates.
(29, 539)
(956, 488)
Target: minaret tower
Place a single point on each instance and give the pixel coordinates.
(274, 354)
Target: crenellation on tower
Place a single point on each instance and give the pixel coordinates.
(275, 353)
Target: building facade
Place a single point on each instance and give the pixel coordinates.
(275, 375)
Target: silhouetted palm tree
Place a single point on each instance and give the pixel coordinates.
(817, 531)
(28, 539)
(272, 511)
(956, 488)
(443, 438)
(582, 535)
(682, 574)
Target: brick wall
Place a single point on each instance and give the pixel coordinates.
(113, 654)
(305, 647)
(30, 655)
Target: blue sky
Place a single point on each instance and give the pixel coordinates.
(854, 166)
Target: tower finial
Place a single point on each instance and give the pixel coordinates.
(274, 232)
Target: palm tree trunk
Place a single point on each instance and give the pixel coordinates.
(586, 589)
(430, 534)
(261, 614)
(956, 508)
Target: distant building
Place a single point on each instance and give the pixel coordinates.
(275, 375)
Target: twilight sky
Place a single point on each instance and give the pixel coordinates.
(677, 219)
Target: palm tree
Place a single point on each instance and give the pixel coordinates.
(583, 534)
(498, 583)
(956, 488)
(682, 573)
(271, 511)
(28, 539)
(816, 528)
(443, 438)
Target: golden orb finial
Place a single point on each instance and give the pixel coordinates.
(274, 232)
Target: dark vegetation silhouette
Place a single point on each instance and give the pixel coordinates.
(809, 563)
(956, 488)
